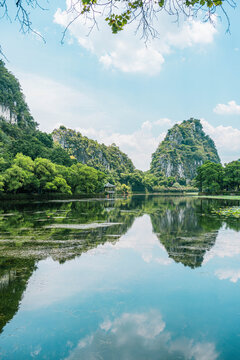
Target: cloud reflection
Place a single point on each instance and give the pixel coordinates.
(139, 336)
(232, 275)
(141, 239)
(227, 245)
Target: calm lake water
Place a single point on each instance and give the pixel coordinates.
(131, 279)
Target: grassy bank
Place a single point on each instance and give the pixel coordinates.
(220, 197)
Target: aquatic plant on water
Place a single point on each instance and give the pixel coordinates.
(229, 212)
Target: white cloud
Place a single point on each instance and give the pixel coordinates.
(164, 122)
(141, 240)
(231, 108)
(227, 245)
(226, 139)
(146, 325)
(164, 261)
(52, 103)
(144, 331)
(133, 59)
(146, 125)
(190, 33)
(126, 51)
(232, 274)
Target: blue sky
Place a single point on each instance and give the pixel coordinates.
(115, 89)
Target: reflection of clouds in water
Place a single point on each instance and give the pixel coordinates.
(139, 336)
(163, 261)
(232, 274)
(142, 240)
(147, 325)
(227, 244)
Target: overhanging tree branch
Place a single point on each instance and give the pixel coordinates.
(120, 13)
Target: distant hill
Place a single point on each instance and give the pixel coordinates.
(184, 149)
(108, 159)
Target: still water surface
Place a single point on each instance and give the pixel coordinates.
(138, 278)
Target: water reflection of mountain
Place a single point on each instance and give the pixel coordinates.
(30, 232)
(186, 228)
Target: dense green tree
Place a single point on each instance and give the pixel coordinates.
(135, 180)
(209, 177)
(59, 156)
(16, 179)
(1, 183)
(231, 178)
(45, 172)
(3, 164)
(58, 185)
(44, 138)
(84, 179)
(124, 189)
(171, 180)
(24, 162)
(150, 181)
(41, 175)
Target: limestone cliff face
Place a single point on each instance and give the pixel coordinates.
(184, 149)
(7, 115)
(13, 107)
(90, 152)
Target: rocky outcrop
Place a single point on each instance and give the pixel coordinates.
(184, 149)
(13, 107)
(7, 115)
(90, 152)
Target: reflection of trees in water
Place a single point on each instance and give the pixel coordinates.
(24, 239)
(14, 274)
(187, 228)
(33, 231)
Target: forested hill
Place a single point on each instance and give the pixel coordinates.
(108, 159)
(65, 161)
(184, 149)
(18, 130)
(31, 161)
(19, 134)
(13, 107)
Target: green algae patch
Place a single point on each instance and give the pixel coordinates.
(229, 212)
